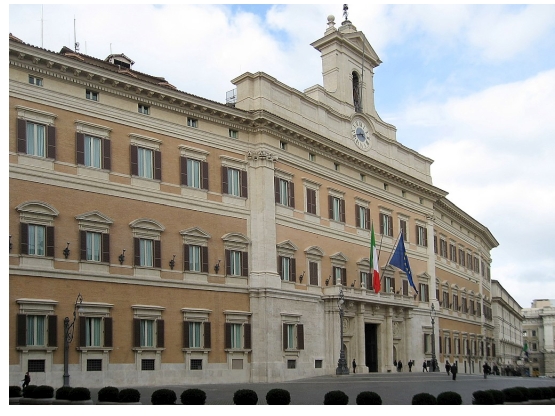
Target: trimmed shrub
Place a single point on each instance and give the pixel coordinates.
(552, 388)
(129, 396)
(546, 393)
(336, 397)
(449, 397)
(278, 396)
(79, 394)
(525, 393)
(193, 397)
(497, 396)
(482, 397)
(15, 391)
(28, 391)
(63, 393)
(513, 395)
(108, 394)
(368, 397)
(245, 396)
(423, 399)
(44, 392)
(534, 393)
(163, 396)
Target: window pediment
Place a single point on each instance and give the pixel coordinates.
(37, 212)
(314, 251)
(194, 235)
(147, 225)
(236, 238)
(338, 258)
(287, 247)
(94, 221)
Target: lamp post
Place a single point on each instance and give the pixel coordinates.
(433, 314)
(342, 368)
(68, 337)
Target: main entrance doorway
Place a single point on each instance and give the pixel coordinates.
(371, 346)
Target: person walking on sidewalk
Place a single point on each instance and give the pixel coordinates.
(410, 366)
(26, 380)
(424, 366)
(447, 367)
(354, 366)
(454, 370)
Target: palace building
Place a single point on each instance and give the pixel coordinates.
(167, 238)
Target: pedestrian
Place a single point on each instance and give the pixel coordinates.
(424, 366)
(447, 367)
(354, 366)
(395, 363)
(400, 366)
(26, 380)
(454, 370)
(410, 366)
(485, 367)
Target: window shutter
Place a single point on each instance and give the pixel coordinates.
(52, 331)
(82, 331)
(293, 269)
(344, 276)
(425, 237)
(390, 222)
(280, 266)
(300, 337)
(245, 263)
(136, 332)
(21, 135)
(285, 336)
(405, 287)
(21, 331)
(330, 206)
(244, 183)
(291, 194)
(207, 335)
(427, 292)
(357, 216)
(276, 189)
(80, 148)
(24, 238)
(227, 263)
(367, 213)
(157, 254)
(158, 165)
(228, 335)
(204, 259)
(204, 174)
(247, 328)
(403, 225)
(51, 142)
(136, 251)
(439, 343)
(185, 334)
(425, 345)
(50, 241)
(134, 160)
(313, 266)
(106, 154)
(83, 243)
(393, 284)
(224, 180)
(186, 257)
(381, 223)
(108, 342)
(342, 210)
(105, 248)
(183, 166)
(160, 333)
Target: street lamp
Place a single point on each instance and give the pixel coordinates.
(68, 337)
(342, 368)
(433, 314)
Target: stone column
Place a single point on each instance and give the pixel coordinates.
(389, 338)
(431, 270)
(360, 334)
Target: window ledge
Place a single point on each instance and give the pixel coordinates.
(291, 353)
(147, 349)
(190, 350)
(94, 349)
(232, 350)
(35, 348)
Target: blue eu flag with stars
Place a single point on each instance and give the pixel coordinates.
(401, 261)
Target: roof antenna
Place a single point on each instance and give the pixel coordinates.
(75, 36)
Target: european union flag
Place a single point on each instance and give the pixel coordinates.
(401, 261)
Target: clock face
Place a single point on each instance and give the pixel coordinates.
(361, 135)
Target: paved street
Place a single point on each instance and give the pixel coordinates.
(393, 388)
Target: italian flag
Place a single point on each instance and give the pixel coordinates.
(374, 262)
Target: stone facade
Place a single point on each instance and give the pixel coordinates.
(538, 328)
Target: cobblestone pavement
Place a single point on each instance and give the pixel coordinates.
(393, 388)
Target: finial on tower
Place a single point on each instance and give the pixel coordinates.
(346, 11)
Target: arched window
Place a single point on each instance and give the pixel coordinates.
(356, 93)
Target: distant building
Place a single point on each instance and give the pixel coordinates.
(539, 337)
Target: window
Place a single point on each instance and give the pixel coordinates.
(35, 80)
(455, 302)
(464, 305)
(95, 330)
(385, 186)
(92, 95)
(362, 217)
(336, 208)
(366, 281)
(146, 243)
(234, 182)
(312, 157)
(143, 109)
(421, 236)
(468, 260)
(287, 268)
(386, 224)
(235, 260)
(403, 226)
(404, 194)
(533, 333)
(293, 336)
(476, 265)
(339, 275)
(313, 273)
(389, 284)
(93, 151)
(427, 343)
(445, 299)
(36, 134)
(282, 145)
(36, 330)
(237, 335)
(94, 365)
(457, 346)
(192, 122)
(363, 177)
(291, 364)
(95, 246)
(234, 134)
(194, 173)
(284, 192)
(196, 364)
(424, 292)
(311, 201)
(452, 252)
(318, 363)
(36, 366)
(36, 139)
(336, 166)
(196, 258)
(37, 240)
(148, 331)
(197, 334)
(461, 257)
(146, 163)
(442, 248)
(148, 364)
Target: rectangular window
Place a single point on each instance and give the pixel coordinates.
(389, 284)
(311, 201)
(336, 208)
(386, 224)
(452, 253)
(313, 273)
(421, 236)
(363, 177)
(385, 186)
(145, 162)
(36, 139)
(443, 248)
(146, 252)
(36, 366)
(285, 268)
(282, 145)
(236, 336)
(284, 192)
(94, 246)
(291, 364)
(143, 109)
(91, 95)
(365, 280)
(468, 260)
(455, 302)
(94, 365)
(234, 134)
(195, 334)
(446, 299)
(193, 173)
(192, 122)
(290, 336)
(147, 333)
(233, 182)
(311, 157)
(35, 80)
(318, 363)
(93, 332)
(403, 225)
(36, 240)
(362, 217)
(36, 329)
(195, 258)
(338, 273)
(93, 152)
(427, 343)
(196, 364)
(147, 365)
(336, 166)
(423, 292)
(461, 257)
(235, 262)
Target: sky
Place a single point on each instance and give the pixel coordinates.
(470, 86)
